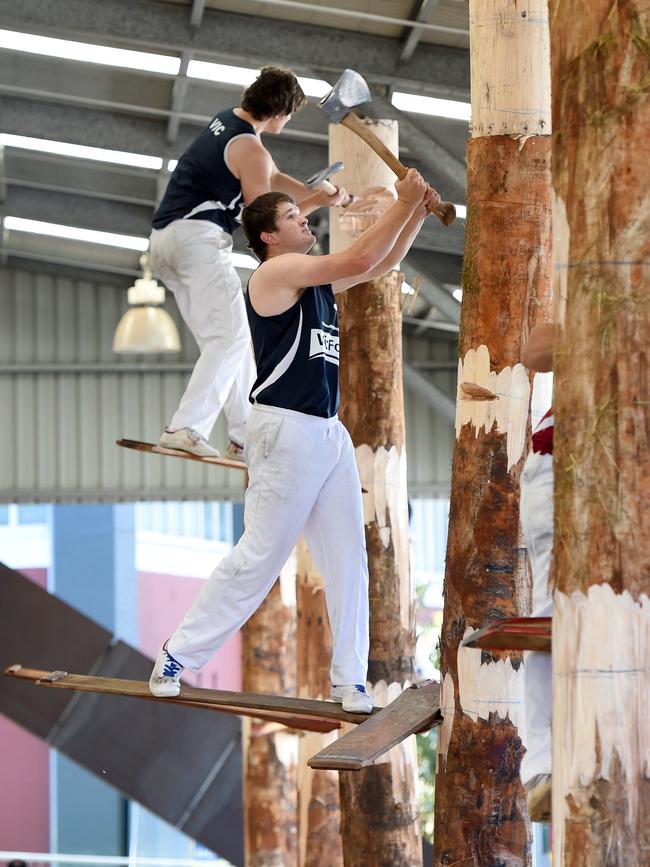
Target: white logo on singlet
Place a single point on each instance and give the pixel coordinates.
(217, 126)
(325, 344)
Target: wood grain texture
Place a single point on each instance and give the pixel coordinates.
(601, 107)
(480, 807)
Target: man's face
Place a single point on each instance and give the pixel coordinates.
(292, 233)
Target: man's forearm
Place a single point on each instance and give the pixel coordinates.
(378, 242)
(282, 183)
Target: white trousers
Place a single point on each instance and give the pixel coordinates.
(536, 509)
(193, 258)
(303, 479)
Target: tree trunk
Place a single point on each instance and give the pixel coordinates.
(270, 752)
(379, 805)
(319, 814)
(480, 816)
(601, 625)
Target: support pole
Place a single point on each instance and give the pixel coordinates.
(480, 807)
(379, 804)
(601, 570)
(270, 751)
(319, 812)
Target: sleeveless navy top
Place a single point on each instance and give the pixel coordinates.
(202, 187)
(297, 354)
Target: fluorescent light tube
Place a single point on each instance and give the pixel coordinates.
(66, 49)
(431, 105)
(83, 152)
(73, 233)
(243, 76)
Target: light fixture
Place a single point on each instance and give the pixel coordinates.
(243, 76)
(146, 327)
(450, 108)
(83, 152)
(74, 233)
(66, 49)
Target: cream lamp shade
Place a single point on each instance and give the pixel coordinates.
(146, 327)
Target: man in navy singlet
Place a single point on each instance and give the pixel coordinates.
(191, 251)
(301, 462)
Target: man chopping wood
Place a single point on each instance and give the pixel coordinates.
(302, 468)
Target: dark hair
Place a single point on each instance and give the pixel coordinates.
(274, 92)
(259, 217)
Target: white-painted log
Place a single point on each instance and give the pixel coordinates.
(510, 67)
(601, 698)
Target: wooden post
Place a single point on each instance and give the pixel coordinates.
(480, 815)
(270, 752)
(319, 813)
(601, 616)
(379, 805)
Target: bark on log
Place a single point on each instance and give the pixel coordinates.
(480, 806)
(319, 813)
(270, 756)
(379, 804)
(601, 628)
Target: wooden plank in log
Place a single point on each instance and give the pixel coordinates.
(513, 633)
(415, 710)
(309, 714)
(139, 446)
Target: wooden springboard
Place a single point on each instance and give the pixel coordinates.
(296, 713)
(513, 633)
(139, 446)
(415, 710)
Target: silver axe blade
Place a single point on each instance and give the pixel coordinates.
(349, 91)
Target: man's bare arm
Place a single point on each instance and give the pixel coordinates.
(250, 161)
(537, 354)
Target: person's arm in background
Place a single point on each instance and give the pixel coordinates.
(537, 354)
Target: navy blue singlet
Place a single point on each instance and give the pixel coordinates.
(202, 186)
(297, 354)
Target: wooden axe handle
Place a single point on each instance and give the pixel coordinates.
(444, 211)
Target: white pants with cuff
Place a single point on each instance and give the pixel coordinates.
(536, 510)
(303, 480)
(194, 260)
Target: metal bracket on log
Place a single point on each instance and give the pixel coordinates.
(513, 633)
(414, 711)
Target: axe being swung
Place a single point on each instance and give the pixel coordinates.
(350, 91)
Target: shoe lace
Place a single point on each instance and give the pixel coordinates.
(195, 436)
(172, 668)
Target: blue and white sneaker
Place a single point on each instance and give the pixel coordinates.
(352, 698)
(165, 680)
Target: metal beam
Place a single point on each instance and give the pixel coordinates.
(422, 11)
(434, 396)
(246, 39)
(196, 15)
(433, 292)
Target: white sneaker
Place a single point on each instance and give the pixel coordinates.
(166, 675)
(353, 698)
(235, 452)
(188, 440)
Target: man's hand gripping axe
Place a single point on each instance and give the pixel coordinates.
(350, 91)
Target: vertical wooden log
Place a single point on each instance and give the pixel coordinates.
(480, 813)
(601, 616)
(270, 752)
(319, 814)
(379, 805)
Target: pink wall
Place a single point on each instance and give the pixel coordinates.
(163, 601)
(24, 817)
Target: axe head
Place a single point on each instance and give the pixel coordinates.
(349, 91)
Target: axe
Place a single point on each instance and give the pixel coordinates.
(350, 91)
